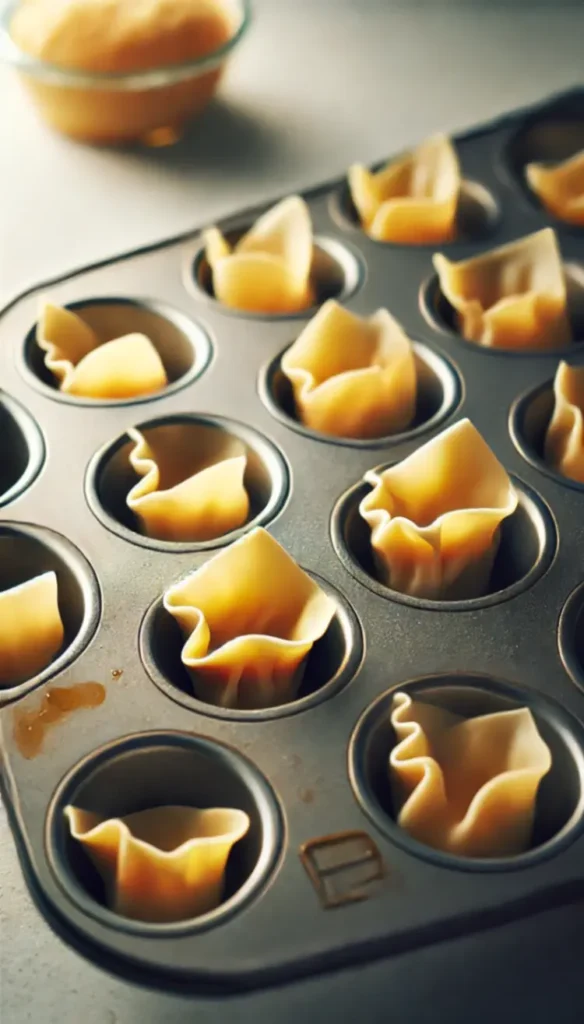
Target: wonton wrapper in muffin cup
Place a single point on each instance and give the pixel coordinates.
(352, 377)
(435, 517)
(564, 440)
(126, 367)
(412, 200)
(560, 188)
(250, 617)
(192, 485)
(466, 786)
(268, 270)
(31, 629)
(164, 864)
(513, 297)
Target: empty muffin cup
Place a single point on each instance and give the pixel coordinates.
(173, 774)
(441, 315)
(50, 606)
(529, 420)
(550, 138)
(438, 394)
(23, 449)
(559, 801)
(183, 347)
(336, 273)
(571, 635)
(526, 549)
(332, 662)
(255, 493)
(477, 214)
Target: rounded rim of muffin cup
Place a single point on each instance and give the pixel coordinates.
(272, 460)
(532, 507)
(201, 352)
(527, 445)
(476, 202)
(344, 636)
(80, 624)
(571, 636)
(31, 442)
(117, 81)
(349, 276)
(442, 371)
(372, 736)
(511, 165)
(439, 314)
(59, 845)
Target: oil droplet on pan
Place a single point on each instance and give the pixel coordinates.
(31, 726)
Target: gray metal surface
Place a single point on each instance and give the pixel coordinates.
(513, 636)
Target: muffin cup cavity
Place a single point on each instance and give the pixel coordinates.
(27, 552)
(157, 769)
(550, 137)
(183, 346)
(110, 477)
(442, 317)
(331, 664)
(23, 449)
(336, 273)
(560, 801)
(477, 215)
(528, 422)
(571, 635)
(439, 393)
(526, 550)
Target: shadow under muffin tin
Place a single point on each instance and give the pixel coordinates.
(312, 774)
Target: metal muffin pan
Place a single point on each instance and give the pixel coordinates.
(325, 877)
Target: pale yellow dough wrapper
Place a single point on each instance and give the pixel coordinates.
(191, 486)
(413, 199)
(268, 270)
(164, 864)
(560, 188)
(126, 367)
(564, 440)
(352, 377)
(466, 786)
(435, 517)
(31, 629)
(250, 617)
(513, 297)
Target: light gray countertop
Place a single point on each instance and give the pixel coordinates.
(316, 86)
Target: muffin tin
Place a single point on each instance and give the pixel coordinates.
(324, 878)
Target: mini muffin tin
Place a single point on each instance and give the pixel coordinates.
(325, 877)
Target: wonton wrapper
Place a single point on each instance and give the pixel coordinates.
(466, 786)
(435, 517)
(31, 630)
(250, 616)
(352, 377)
(192, 483)
(123, 368)
(164, 864)
(512, 297)
(412, 200)
(560, 188)
(564, 440)
(268, 270)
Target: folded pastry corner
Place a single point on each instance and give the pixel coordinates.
(560, 188)
(435, 517)
(413, 199)
(513, 297)
(268, 269)
(192, 482)
(31, 628)
(163, 864)
(467, 786)
(249, 617)
(352, 377)
(125, 367)
(564, 439)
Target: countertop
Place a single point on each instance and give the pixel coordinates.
(315, 86)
